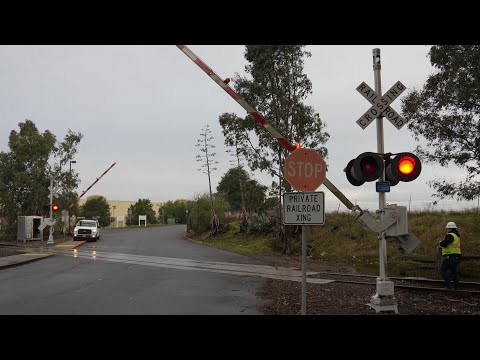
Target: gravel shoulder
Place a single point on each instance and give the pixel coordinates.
(284, 297)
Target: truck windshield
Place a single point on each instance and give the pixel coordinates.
(86, 223)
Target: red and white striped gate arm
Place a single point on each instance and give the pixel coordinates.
(98, 178)
(340, 196)
(236, 97)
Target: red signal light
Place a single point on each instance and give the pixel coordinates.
(55, 207)
(406, 165)
(367, 166)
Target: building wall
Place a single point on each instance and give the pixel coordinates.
(120, 207)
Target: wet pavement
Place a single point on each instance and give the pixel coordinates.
(34, 254)
(134, 271)
(64, 249)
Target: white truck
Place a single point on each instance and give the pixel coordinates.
(87, 229)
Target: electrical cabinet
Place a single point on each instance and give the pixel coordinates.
(28, 228)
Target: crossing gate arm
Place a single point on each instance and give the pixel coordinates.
(98, 178)
(340, 196)
(257, 116)
(224, 85)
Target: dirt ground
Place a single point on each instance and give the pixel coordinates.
(284, 297)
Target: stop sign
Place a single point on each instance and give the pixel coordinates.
(305, 170)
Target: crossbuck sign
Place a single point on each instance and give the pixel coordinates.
(381, 105)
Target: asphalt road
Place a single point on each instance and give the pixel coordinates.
(134, 271)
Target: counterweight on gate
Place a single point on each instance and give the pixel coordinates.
(256, 115)
(98, 178)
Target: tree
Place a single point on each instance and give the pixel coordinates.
(277, 90)
(97, 207)
(204, 143)
(255, 196)
(253, 192)
(173, 209)
(229, 187)
(26, 169)
(232, 140)
(446, 114)
(142, 207)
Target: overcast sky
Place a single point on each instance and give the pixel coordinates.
(144, 107)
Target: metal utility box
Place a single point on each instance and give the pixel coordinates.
(27, 228)
(400, 227)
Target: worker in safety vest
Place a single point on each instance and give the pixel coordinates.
(451, 256)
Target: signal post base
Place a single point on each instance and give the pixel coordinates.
(383, 300)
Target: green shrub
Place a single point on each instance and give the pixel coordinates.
(201, 213)
(257, 224)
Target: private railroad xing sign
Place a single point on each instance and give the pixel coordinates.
(304, 208)
(381, 105)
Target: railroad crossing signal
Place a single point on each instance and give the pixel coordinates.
(381, 105)
(369, 166)
(305, 170)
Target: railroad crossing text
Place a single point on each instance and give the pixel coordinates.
(304, 208)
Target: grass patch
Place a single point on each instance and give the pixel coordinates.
(235, 242)
(341, 238)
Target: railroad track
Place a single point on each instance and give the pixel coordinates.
(414, 283)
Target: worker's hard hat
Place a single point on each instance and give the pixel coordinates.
(451, 225)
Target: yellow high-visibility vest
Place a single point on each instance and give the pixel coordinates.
(453, 247)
